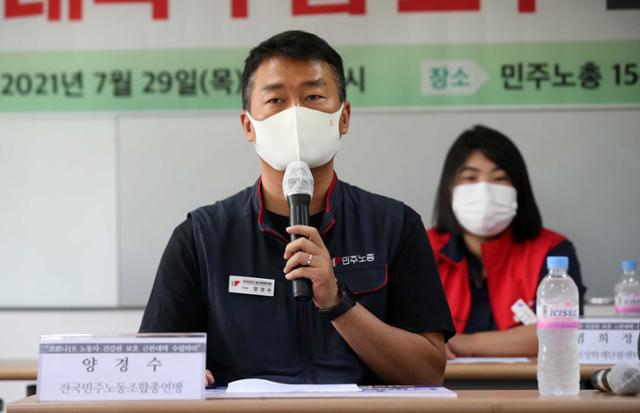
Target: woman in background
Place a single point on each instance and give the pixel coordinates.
(490, 245)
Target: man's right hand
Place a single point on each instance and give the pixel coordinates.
(208, 377)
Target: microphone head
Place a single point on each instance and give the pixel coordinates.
(624, 378)
(297, 179)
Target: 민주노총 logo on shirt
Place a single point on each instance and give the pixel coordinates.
(353, 259)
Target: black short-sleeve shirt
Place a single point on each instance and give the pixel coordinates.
(186, 298)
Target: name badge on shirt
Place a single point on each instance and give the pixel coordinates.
(251, 285)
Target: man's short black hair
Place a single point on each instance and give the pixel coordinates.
(527, 223)
(296, 45)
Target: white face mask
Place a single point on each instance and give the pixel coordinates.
(484, 209)
(297, 134)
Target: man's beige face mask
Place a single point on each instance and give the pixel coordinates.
(297, 134)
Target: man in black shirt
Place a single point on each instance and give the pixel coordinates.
(378, 312)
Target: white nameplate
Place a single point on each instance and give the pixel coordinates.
(121, 367)
(251, 285)
(608, 340)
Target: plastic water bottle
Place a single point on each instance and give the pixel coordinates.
(627, 290)
(557, 309)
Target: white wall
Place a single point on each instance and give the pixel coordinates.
(57, 211)
(167, 166)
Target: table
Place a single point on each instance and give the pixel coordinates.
(18, 369)
(457, 376)
(524, 401)
(504, 376)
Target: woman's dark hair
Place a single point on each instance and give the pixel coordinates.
(527, 223)
(296, 45)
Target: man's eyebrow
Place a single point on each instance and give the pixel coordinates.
(272, 86)
(307, 83)
(314, 83)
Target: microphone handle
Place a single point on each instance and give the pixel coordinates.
(299, 215)
(599, 380)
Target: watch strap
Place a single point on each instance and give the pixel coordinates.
(346, 303)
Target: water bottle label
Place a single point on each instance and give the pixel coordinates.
(564, 315)
(628, 303)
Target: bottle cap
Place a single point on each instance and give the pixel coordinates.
(559, 263)
(628, 265)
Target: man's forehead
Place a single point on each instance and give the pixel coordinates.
(288, 61)
(280, 69)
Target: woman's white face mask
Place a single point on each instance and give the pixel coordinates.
(483, 208)
(297, 134)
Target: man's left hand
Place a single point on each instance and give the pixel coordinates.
(308, 257)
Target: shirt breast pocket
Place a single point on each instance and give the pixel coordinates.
(369, 285)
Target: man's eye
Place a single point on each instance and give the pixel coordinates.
(314, 97)
(274, 101)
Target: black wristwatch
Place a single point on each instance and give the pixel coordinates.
(347, 301)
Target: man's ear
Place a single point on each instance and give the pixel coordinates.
(247, 127)
(345, 118)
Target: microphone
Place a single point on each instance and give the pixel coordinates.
(297, 186)
(622, 379)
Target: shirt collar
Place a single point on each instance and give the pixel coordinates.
(333, 197)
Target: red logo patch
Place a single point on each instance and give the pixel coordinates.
(236, 282)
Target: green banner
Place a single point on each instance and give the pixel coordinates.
(392, 76)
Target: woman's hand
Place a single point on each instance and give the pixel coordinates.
(461, 345)
(450, 354)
